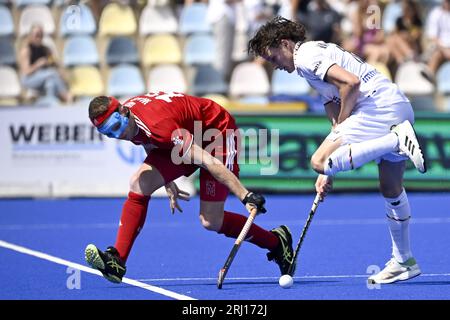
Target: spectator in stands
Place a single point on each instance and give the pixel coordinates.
(38, 67)
(438, 32)
(367, 39)
(405, 41)
(222, 17)
(322, 22)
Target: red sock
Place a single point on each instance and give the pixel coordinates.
(233, 224)
(132, 220)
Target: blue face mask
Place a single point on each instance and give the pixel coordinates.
(114, 126)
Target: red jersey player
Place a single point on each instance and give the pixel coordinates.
(176, 131)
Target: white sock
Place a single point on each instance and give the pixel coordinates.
(352, 156)
(398, 214)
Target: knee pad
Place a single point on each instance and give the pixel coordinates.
(398, 208)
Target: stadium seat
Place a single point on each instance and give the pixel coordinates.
(36, 14)
(121, 50)
(410, 80)
(80, 50)
(193, 19)
(443, 79)
(22, 3)
(161, 49)
(199, 49)
(249, 79)
(207, 80)
(168, 78)
(7, 52)
(157, 20)
(9, 83)
(125, 80)
(86, 81)
(6, 22)
(284, 83)
(392, 11)
(77, 20)
(117, 20)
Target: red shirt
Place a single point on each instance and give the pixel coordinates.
(168, 119)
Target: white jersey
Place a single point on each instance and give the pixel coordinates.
(312, 60)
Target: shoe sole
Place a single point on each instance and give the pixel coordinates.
(401, 277)
(412, 132)
(95, 261)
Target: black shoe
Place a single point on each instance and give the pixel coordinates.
(108, 262)
(283, 254)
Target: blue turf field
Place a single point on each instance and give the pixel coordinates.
(348, 234)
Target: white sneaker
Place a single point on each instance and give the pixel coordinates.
(409, 145)
(396, 271)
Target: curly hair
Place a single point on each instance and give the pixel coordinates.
(271, 34)
(98, 106)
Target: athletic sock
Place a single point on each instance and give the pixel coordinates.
(352, 156)
(132, 220)
(398, 214)
(233, 224)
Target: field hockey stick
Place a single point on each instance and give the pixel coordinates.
(315, 204)
(242, 235)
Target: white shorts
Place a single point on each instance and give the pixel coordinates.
(372, 123)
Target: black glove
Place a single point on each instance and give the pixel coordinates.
(256, 199)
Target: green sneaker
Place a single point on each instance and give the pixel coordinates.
(283, 254)
(108, 262)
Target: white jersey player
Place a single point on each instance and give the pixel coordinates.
(371, 119)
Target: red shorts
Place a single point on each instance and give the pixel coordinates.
(210, 188)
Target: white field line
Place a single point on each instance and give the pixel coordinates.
(80, 267)
(276, 278)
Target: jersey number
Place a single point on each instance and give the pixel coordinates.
(166, 96)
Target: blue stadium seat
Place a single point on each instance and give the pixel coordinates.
(80, 50)
(77, 20)
(22, 3)
(125, 80)
(392, 11)
(443, 78)
(193, 19)
(7, 52)
(284, 83)
(207, 80)
(199, 49)
(6, 22)
(121, 50)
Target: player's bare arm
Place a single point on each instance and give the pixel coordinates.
(348, 85)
